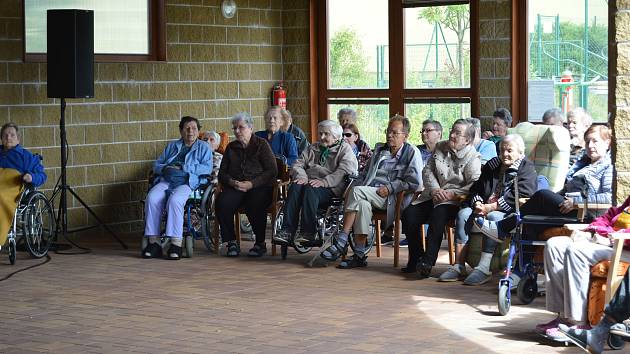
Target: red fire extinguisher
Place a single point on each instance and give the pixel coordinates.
(279, 95)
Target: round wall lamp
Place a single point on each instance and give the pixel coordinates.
(228, 8)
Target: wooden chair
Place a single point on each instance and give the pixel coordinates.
(380, 216)
(279, 193)
(605, 279)
(450, 238)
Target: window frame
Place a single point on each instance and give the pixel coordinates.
(520, 59)
(396, 95)
(157, 39)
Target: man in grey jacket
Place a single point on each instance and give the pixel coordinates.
(395, 166)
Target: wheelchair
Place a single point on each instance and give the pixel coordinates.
(33, 224)
(198, 219)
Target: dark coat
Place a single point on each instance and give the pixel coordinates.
(483, 188)
(255, 163)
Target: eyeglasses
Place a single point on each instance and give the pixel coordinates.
(347, 135)
(428, 130)
(388, 132)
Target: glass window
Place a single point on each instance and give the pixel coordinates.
(437, 46)
(445, 113)
(121, 27)
(371, 119)
(568, 57)
(357, 44)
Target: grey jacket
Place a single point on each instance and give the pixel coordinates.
(405, 176)
(340, 162)
(453, 171)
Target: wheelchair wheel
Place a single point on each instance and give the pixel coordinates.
(12, 250)
(190, 245)
(615, 342)
(39, 225)
(504, 299)
(207, 225)
(527, 290)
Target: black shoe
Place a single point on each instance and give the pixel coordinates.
(424, 270)
(174, 252)
(355, 261)
(408, 269)
(233, 250)
(258, 250)
(386, 240)
(153, 250)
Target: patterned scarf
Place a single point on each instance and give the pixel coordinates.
(325, 152)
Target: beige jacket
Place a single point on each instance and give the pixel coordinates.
(449, 170)
(340, 162)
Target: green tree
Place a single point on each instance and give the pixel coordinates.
(457, 19)
(347, 61)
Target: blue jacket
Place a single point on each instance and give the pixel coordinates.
(198, 161)
(598, 176)
(487, 150)
(283, 144)
(24, 161)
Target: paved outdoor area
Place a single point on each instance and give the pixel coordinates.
(112, 301)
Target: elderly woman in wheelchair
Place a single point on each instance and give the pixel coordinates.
(18, 167)
(318, 175)
(179, 171)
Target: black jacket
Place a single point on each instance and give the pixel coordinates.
(483, 188)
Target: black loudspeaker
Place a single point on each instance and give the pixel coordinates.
(70, 53)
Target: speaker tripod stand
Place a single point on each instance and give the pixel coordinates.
(62, 188)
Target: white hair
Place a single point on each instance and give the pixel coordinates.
(215, 135)
(333, 127)
(242, 116)
(514, 139)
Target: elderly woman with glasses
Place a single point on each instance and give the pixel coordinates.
(317, 177)
(451, 171)
(360, 148)
(248, 171)
(431, 134)
(283, 144)
(395, 166)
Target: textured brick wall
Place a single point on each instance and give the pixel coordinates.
(494, 55)
(621, 100)
(215, 67)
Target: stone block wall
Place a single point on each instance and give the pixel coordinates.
(215, 67)
(495, 29)
(620, 99)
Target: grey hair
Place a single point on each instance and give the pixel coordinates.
(216, 136)
(333, 127)
(9, 125)
(242, 116)
(553, 116)
(587, 120)
(434, 123)
(514, 139)
(471, 131)
(476, 123)
(349, 111)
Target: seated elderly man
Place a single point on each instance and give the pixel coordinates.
(347, 116)
(486, 149)
(395, 166)
(298, 134)
(282, 143)
(17, 166)
(553, 116)
(317, 177)
(178, 171)
(491, 196)
(578, 121)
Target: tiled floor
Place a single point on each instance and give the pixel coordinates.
(112, 301)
